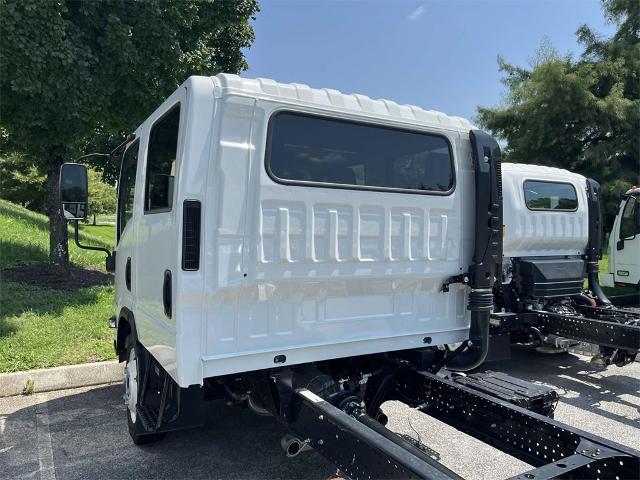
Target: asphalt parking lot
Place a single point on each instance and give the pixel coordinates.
(82, 434)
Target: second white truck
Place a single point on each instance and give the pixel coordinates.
(624, 244)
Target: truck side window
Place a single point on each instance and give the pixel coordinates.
(313, 150)
(127, 186)
(161, 162)
(539, 195)
(628, 226)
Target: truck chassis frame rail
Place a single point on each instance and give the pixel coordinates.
(602, 332)
(339, 428)
(616, 331)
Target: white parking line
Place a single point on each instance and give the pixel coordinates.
(45, 452)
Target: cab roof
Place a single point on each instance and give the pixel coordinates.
(328, 99)
(635, 191)
(541, 172)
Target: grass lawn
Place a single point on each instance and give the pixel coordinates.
(104, 232)
(40, 327)
(25, 238)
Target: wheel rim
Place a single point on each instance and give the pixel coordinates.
(131, 384)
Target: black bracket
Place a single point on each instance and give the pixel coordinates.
(462, 278)
(111, 259)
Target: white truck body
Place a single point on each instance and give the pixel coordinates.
(291, 273)
(545, 232)
(531, 232)
(624, 243)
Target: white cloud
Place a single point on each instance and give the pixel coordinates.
(417, 13)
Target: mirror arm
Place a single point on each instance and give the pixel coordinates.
(108, 156)
(88, 247)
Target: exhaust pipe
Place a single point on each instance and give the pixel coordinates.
(487, 254)
(293, 446)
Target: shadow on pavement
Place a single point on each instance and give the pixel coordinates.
(89, 439)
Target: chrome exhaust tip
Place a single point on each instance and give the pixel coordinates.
(292, 446)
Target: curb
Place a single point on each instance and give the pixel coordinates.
(59, 378)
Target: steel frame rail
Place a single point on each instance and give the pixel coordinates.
(609, 313)
(601, 331)
(364, 449)
(358, 449)
(555, 449)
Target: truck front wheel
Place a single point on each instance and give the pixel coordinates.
(133, 374)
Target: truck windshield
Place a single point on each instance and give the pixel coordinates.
(628, 226)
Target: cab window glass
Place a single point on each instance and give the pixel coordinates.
(318, 150)
(161, 162)
(628, 225)
(539, 195)
(127, 186)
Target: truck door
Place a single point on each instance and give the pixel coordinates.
(627, 247)
(157, 246)
(125, 226)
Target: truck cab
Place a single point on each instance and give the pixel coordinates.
(624, 243)
(310, 255)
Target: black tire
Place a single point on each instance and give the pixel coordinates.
(137, 432)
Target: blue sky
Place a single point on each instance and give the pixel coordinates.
(438, 55)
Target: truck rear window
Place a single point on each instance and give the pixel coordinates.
(539, 195)
(312, 150)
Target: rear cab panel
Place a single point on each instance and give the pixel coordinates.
(305, 273)
(542, 232)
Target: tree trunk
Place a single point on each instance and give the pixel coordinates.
(94, 219)
(58, 238)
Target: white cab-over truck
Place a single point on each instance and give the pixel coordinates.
(624, 243)
(287, 248)
(552, 243)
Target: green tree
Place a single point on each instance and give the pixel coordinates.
(21, 182)
(582, 115)
(69, 69)
(102, 197)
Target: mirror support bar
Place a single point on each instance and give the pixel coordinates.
(110, 261)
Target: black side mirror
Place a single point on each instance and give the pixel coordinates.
(620, 244)
(74, 191)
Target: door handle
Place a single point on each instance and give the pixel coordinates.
(127, 274)
(166, 293)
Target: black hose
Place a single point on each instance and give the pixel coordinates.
(594, 286)
(583, 299)
(480, 304)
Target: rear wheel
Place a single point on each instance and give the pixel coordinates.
(133, 375)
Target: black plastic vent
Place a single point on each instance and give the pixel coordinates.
(191, 235)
